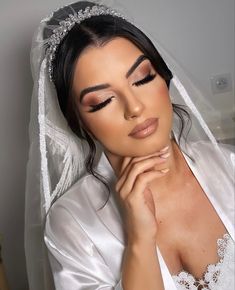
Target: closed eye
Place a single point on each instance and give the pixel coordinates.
(145, 80)
(100, 105)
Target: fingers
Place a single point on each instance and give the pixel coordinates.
(127, 160)
(125, 163)
(128, 164)
(137, 199)
(135, 169)
(133, 166)
(142, 181)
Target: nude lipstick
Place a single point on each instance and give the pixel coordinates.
(145, 129)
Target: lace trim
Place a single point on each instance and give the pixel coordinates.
(62, 143)
(45, 182)
(210, 278)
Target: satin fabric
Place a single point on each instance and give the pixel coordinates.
(86, 241)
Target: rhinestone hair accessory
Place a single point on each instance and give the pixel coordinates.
(66, 25)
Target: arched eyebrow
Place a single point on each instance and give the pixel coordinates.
(135, 65)
(85, 91)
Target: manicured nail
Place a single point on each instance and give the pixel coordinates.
(164, 149)
(165, 170)
(165, 155)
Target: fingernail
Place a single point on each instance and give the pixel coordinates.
(164, 149)
(165, 155)
(165, 170)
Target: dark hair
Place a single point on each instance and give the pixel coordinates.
(96, 31)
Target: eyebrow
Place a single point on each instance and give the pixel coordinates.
(85, 91)
(135, 65)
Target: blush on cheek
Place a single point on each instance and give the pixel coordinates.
(165, 97)
(97, 129)
(162, 87)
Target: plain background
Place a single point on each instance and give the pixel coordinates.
(200, 34)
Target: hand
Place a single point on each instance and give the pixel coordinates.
(139, 209)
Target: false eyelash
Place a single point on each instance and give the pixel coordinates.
(100, 105)
(145, 80)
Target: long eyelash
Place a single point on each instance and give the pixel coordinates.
(145, 80)
(100, 105)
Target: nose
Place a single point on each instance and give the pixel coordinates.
(133, 106)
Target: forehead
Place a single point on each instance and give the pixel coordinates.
(98, 63)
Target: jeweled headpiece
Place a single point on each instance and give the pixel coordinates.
(66, 25)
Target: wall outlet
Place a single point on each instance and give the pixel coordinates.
(221, 83)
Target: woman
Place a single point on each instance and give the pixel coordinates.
(146, 212)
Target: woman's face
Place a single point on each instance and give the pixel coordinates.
(116, 89)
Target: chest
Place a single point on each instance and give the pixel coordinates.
(188, 229)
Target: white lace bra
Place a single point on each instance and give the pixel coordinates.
(219, 276)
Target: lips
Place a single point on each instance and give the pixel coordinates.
(145, 129)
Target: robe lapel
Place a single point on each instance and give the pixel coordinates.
(109, 214)
(166, 276)
(215, 184)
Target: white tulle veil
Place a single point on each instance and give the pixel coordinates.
(57, 155)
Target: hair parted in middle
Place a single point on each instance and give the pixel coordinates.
(96, 31)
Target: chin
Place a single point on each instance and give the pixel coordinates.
(146, 147)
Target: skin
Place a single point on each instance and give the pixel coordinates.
(153, 176)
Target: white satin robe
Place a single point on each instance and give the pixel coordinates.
(86, 244)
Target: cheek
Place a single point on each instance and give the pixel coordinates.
(163, 106)
(100, 127)
(160, 97)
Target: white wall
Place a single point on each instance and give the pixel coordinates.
(199, 33)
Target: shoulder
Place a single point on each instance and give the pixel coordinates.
(76, 223)
(204, 149)
(74, 207)
(206, 145)
(229, 152)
